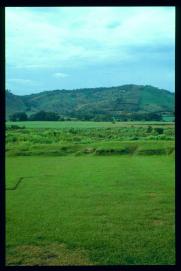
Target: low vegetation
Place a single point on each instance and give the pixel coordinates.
(113, 210)
(113, 139)
(90, 193)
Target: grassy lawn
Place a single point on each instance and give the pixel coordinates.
(90, 210)
(90, 193)
(83, 124)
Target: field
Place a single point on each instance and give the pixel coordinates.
(80, 193)
(85, 124)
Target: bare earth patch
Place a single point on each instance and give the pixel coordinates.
(158, 222)
(49, 255)
(152, 194)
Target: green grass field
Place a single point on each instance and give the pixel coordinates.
(86, 196)
(83, 124)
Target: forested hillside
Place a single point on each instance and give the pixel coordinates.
(94, 103)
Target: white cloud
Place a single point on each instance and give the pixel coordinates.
(70, 36)
(60, 75)
(40, 42)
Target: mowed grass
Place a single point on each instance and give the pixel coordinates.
(84, 124)
(90, 210)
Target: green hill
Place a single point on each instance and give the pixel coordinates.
(14, 103)
(110, 101)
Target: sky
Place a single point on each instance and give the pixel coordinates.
(50, 48)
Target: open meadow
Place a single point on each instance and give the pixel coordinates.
(90, 193)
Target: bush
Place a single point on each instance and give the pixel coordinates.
(159, 130)
(149, 129)
(152, 151)
(16, 127)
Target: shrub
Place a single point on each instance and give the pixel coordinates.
(152, 151)
(16, 127)
(159, 130)
(149, 129)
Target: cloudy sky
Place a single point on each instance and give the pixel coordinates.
(77, 47)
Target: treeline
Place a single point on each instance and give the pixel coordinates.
(53, 116)
(121, 117)
(39, 116)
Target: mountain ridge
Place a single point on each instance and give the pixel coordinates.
(93, 101)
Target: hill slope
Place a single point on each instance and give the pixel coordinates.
(96, 101)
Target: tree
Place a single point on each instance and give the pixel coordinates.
(149, 129)
(113, 120)
(44, 116)
(153, 116)
(159, 130)
(18, 116)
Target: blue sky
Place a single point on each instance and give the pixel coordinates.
(76, 47)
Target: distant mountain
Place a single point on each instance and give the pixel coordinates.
(110, 101)
(14, 103)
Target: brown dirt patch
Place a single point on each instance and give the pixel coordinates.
(157, 222)
(49, 255)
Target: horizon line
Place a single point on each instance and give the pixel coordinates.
(86, 88)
